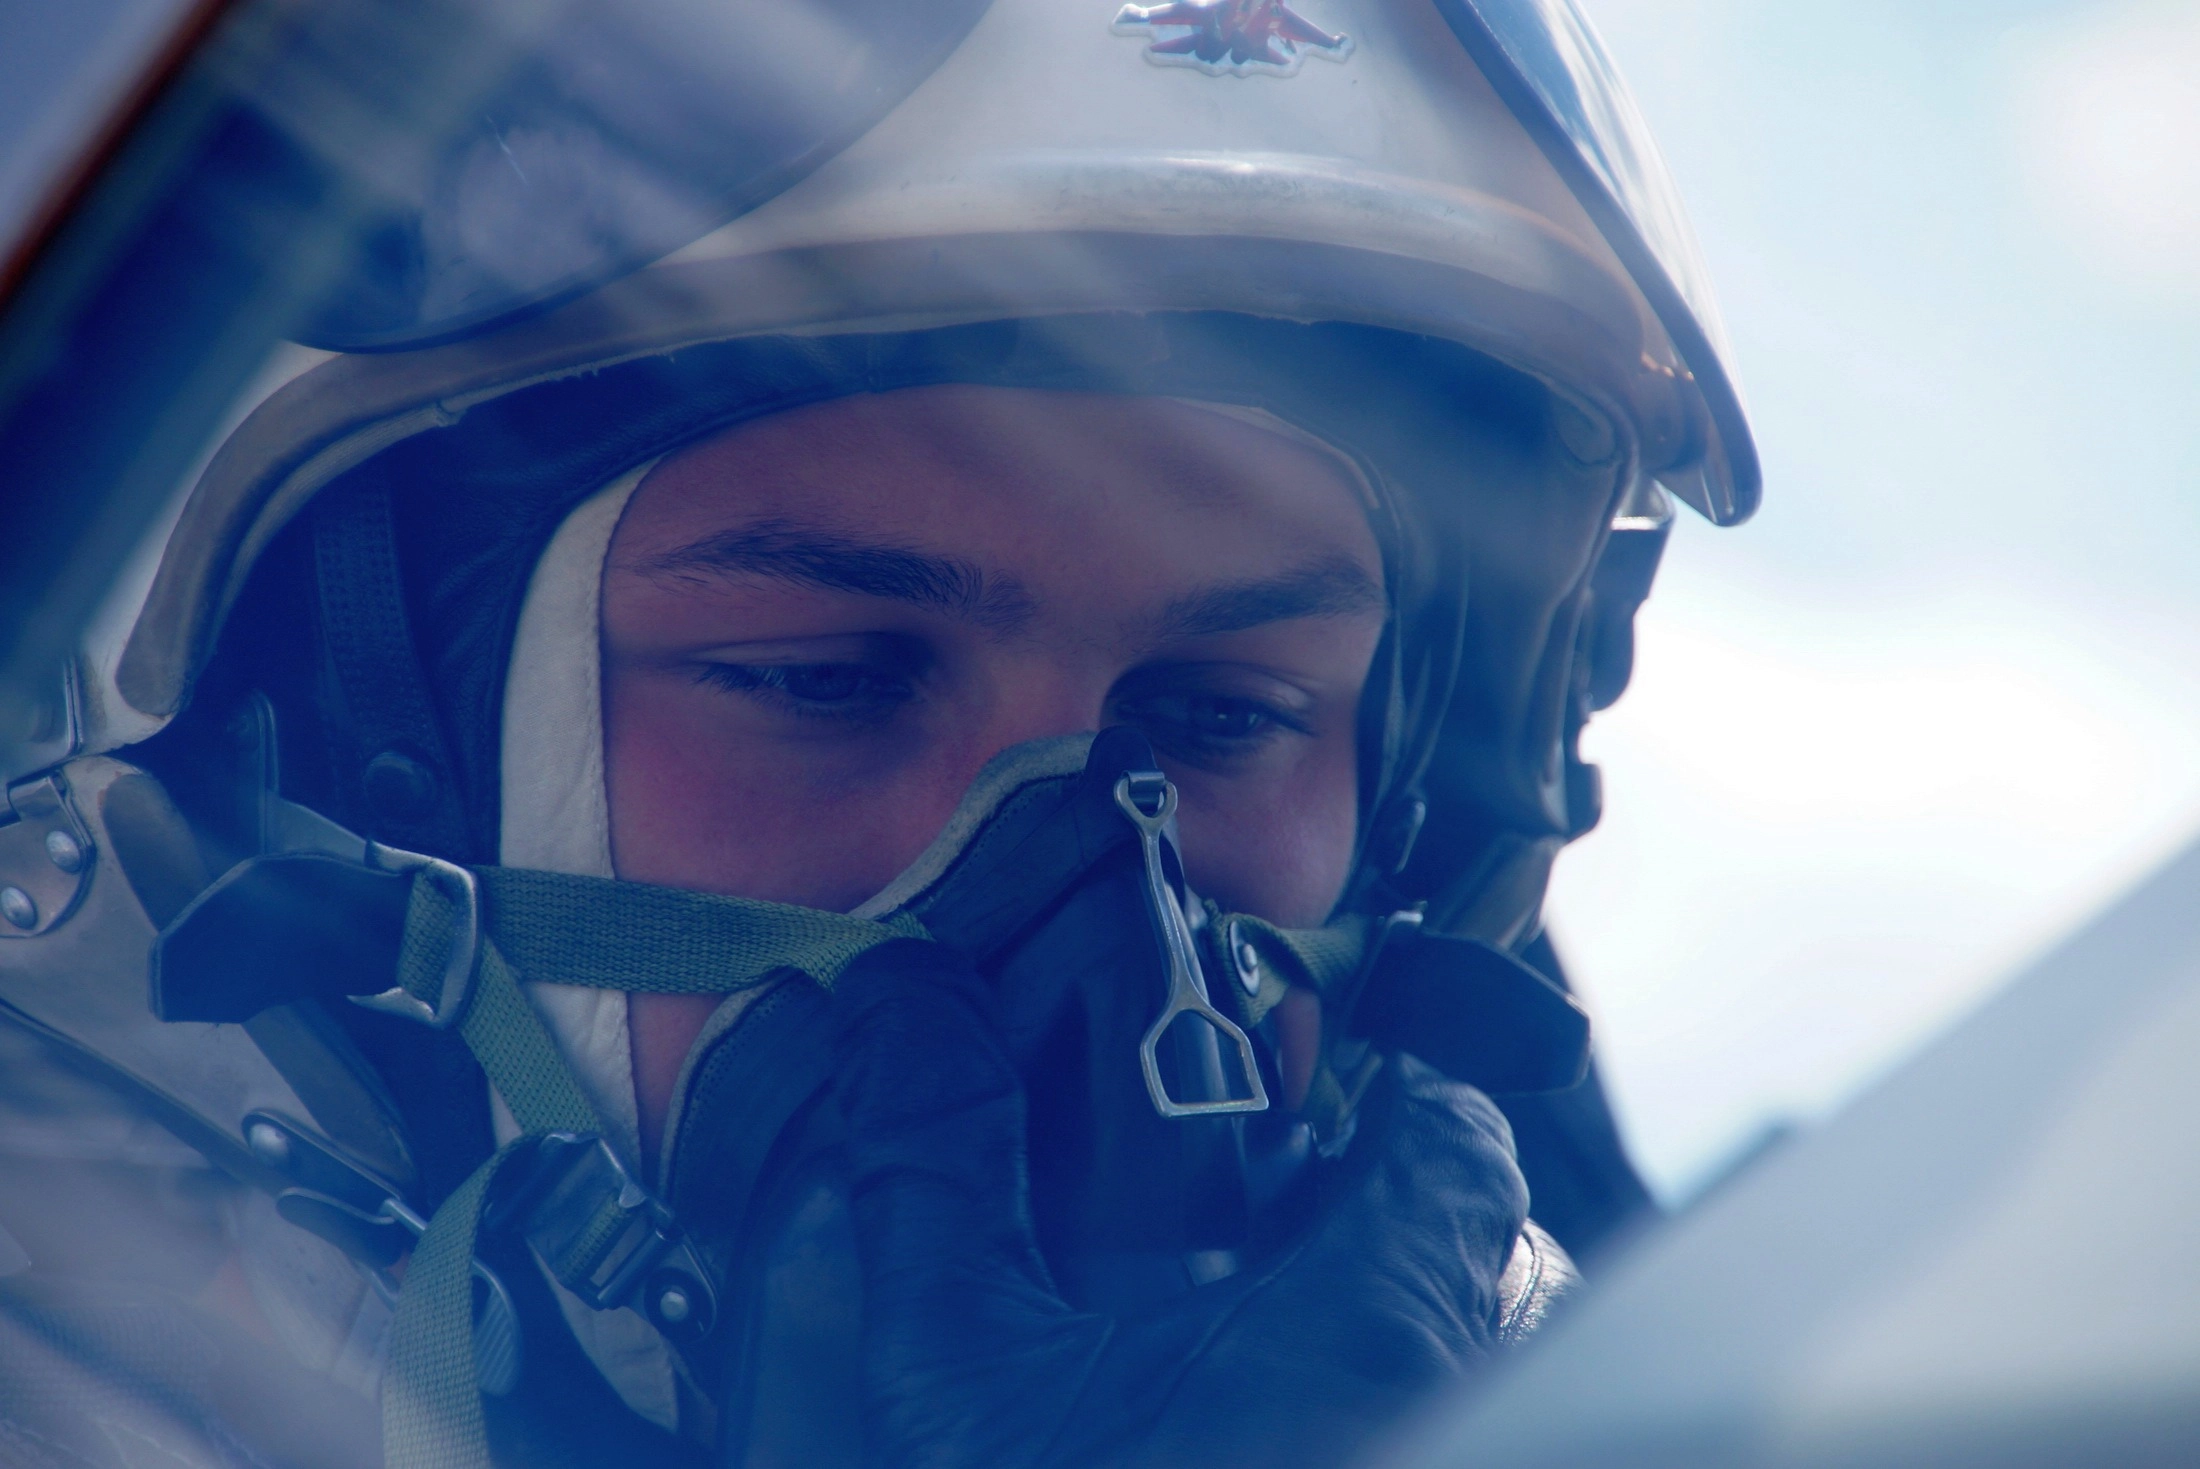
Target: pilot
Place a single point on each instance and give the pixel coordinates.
(912, 835)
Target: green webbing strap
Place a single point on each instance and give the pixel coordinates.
(559, 929)
(1320, 959)
(555, 928)
(431, 1409)
(1330, 961)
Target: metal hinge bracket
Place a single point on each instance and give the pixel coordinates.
(46, 857)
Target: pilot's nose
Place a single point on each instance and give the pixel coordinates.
(1043, 699)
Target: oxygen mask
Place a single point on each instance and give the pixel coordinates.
(1158, 1152)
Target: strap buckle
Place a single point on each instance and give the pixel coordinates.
(288, 827)
(607, 1239)
(462, 891)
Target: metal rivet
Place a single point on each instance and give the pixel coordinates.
(1246, 958)
(16, 906)
(673, 1306)
(64, 851)
(269, 1143)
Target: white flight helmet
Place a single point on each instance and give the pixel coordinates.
(1227, 200)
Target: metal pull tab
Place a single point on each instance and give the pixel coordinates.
(1134, 792)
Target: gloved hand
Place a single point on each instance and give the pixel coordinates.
(973, 1360)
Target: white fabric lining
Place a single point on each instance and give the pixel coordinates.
(555, 819)
(1267, 422)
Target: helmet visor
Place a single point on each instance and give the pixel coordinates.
(587, 140)
(581, 139)
(1547, 62)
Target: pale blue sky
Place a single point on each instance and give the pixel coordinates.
(1942, 697)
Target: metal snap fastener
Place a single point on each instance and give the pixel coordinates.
(673, 1305)
(399, 788)
(18, 908)
(269, 1144)
(1245, 959)
(64, 851)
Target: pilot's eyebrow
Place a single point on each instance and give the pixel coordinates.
(837, 562)
(1333, 586)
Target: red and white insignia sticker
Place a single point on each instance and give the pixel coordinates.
(1230, 37)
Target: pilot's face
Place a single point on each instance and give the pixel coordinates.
(818, 627)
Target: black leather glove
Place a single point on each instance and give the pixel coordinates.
(972, 1358)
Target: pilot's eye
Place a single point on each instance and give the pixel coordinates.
(824, 683)
(844, 690)
(1207, 727)
(1229, 719)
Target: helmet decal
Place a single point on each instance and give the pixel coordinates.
(1230, 37)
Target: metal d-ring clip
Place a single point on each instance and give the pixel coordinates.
(1187, 984)
(463, 892)
(321, 1189)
